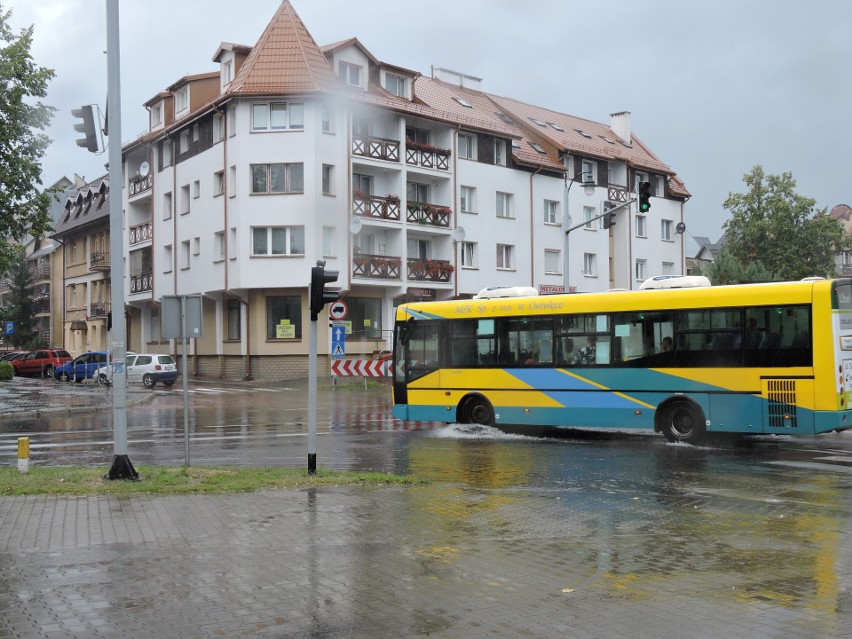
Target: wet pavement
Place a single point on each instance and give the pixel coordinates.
(586, 536)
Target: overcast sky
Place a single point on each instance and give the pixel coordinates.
(713, 87)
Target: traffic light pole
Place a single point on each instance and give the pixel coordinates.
(312, 397)
(122, 468)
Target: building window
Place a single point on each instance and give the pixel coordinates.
(183, 141)
(328, 241)
(551, 212)
(196, 246)
(641, 226)
(234, 320)
(365, 313)
(232, 242)
(668, 268)
(666, 230)
(168, 259)
(167, 206)
(196, 189)
(326, 119)
(284, 317)
(195, 132)
(504, 205)
(277, 178)
(231, 115)
(349, 73)
(166, 154)
(589, 170)
(467, 146)
(468, 254)
(641, 270)
(218, 128)
(278, 240)
(154, 325)
(500, 152)
(277, 116)
(551, 261)
(227, 73)
(184, 199)
(395, 84)
(468, 199)
(156, 115)
(232, 181)
(218, 183)
(181, 101)
(505, 256)
(417, 192)
(362, 183)
(588, 214)
(218, 246)
(184, 254)
(327, 179)
(589, 264)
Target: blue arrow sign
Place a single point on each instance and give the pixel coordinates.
(338, 341)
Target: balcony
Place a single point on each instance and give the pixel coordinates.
(429, 214)
(41, 272)
(375, 148)
(41, 304)
(140, 233)
(375, 207)
(99, 261)
(376, 266)
(141, 283)
(429, 270)
(426, 156)
(98, 309)
(140, 184)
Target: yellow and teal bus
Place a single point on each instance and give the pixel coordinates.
(750, 359)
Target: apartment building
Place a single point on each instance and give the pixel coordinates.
(412, 187)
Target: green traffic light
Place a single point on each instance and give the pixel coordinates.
(645, 207)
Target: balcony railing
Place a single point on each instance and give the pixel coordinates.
(41, 304)
(426, 156)
(376, 266)
(429, 214)
(40, 272)
(376, 148)
(429, 270)
(140, 184)
(375, 207)
(140, 233)
(99, 261)
(98, 309)
(141, 283)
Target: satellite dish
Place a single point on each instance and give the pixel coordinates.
(355, 225)
(144, 168)
(458, 234)
(680, 228)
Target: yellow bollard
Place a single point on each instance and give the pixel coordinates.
(23, 455)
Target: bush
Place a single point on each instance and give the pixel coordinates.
(7, 371)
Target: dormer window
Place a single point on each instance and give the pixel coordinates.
(500, 152)
(349, 73)
(182, 100)
(156, 115)
(227, 72)
(395, 84)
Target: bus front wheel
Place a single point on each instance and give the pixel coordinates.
(477, 410)
(682, 421)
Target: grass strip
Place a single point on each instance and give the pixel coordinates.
(179, 480)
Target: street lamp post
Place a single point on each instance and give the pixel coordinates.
(588, 189)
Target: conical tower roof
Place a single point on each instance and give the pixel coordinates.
(285, 60)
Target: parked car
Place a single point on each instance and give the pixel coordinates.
(81, 367)
(143, 367)
(41, 362)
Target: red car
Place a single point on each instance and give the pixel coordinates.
(40, 362)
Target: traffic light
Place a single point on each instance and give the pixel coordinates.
(87, 127)
(319, 296)
(609, 220)
(644, 197)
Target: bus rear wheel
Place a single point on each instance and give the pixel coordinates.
(683, 421)
(477, 410)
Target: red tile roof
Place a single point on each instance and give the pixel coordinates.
(285, 60)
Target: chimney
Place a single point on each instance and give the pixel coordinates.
(620, 125)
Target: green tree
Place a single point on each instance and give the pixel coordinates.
(23, 120)
(20, 307)
(727, 269)
(772, 224)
